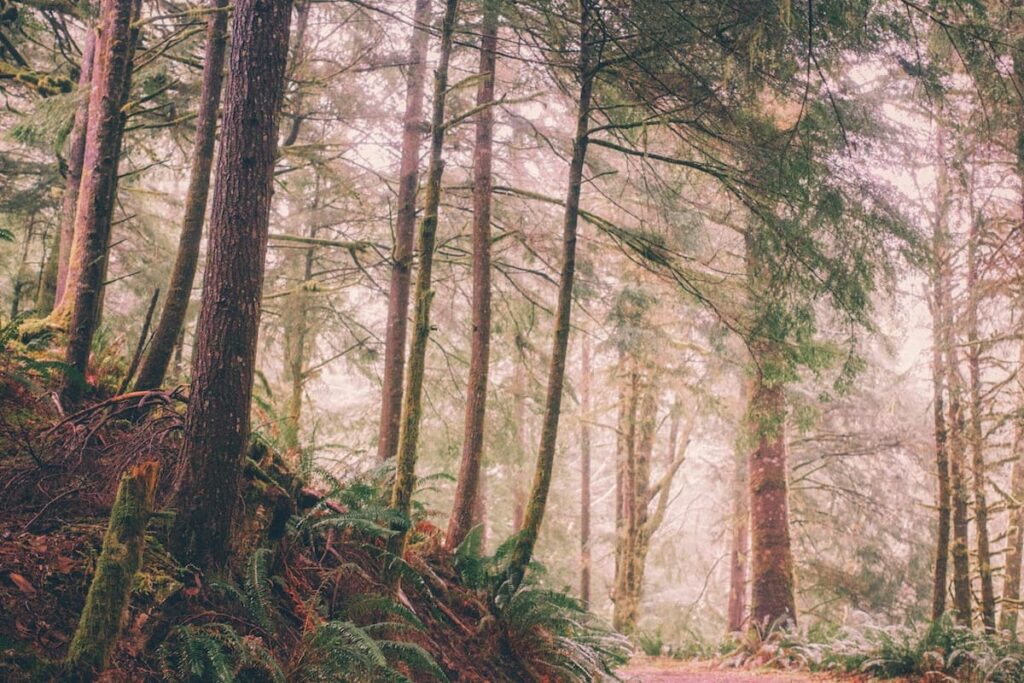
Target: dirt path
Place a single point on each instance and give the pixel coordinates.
(667, 671)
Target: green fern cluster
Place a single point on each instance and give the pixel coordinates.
(550, 633)
(21, 361)
(358, 646)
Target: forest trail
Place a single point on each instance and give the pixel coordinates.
(663, 671)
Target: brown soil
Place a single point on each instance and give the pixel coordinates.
(669, 671)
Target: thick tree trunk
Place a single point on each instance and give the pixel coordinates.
(978, 474)
(405, 225)
(172, 316)
(585, 418)
(412, 401)
(111, 82)
(76, 154)
(217, 420)
(476, 392)
(522, 553)
(120, 560)
(772, 600)
(736, 614)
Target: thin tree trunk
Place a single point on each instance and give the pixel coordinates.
(940, 581)
(736, 614)
(76, 154)
(476, 391)
(172, 315)
(522, 553)
(955, 420)
(988, 598)
(1015, 533)
(1015, 530)
(405, 225)
(296, 341)
(585, 417)
(412, 403)
(217, 420)
(111, 84)
(519, 423)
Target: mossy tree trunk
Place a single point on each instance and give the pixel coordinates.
(940, 576)
(72, 182)
(111, 82)
(172, 315)
(412, 401)
(466, 488)
(405, 226)
(977, 438)
(522, 552)
(216, 430)
(120, 560)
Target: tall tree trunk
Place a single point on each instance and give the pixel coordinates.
(978, 474)
(412, 401)
(954, 419)
(476, 391)
(1015, 530)
(76, 154)
(772, 600)
(585, 418)
(736, 614)
(940, 580)
(633, 540)
(172, 316)
(405, 225)
(519, 423)
(1015, 533)
(296, 340)
(111, 83)
(217, 420)
(522, 553)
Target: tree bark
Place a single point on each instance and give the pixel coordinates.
(736, 614)
(111, 83)
(405, 225)
(412, 401)
(110, 590)
(940, 580)
(76, 154)
(1015, 531)
(978, 474)
(476, 391)
(772, 600)
(217, 420)
(172, 315)
(522, 552)
(585, 417)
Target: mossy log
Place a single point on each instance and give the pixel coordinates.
(119, 562)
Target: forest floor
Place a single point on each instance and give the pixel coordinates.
(673, 671)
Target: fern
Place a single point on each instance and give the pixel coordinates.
(552, 636)
(215, 653)
(257, 588)
(413, 656)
